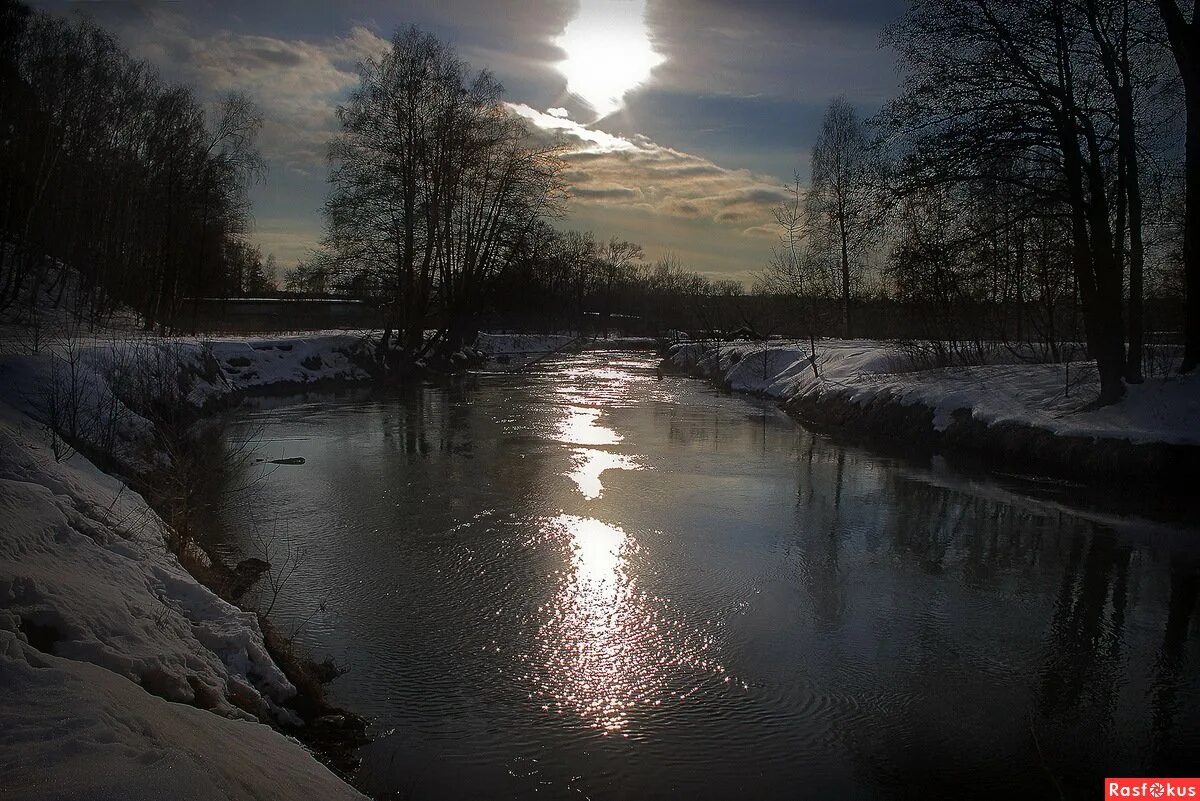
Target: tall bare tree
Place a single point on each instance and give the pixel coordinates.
(435, 185)
(1112, 24)
(1014, 81)
(793, 272)
(839, 197)
(1184, 37)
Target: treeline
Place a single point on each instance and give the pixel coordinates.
(118, 174)
(1025, 186)
(571, 280)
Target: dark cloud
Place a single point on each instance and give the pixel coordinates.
(280, 57)
(119, 12)
(786, 14)
(794, 50)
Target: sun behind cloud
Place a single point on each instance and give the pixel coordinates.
(609, 53)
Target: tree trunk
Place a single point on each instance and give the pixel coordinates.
(847, 325)
(1106, 265)
(1184, 37)
(1191, 231)
(1133, 363)
(1093, 273)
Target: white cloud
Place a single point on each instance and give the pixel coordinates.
(604, 169)
(579, 136)
(297, 83)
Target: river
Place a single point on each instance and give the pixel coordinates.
(585, 582)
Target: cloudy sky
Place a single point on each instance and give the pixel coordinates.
(687, 116)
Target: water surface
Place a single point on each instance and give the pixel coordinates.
(581, 581)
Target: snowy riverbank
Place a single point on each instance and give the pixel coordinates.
(125, 676)
(1014, 412)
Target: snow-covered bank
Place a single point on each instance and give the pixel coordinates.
(71, 731)
(110, 651)
(493, 345)
(101, 390)
(124, 676)
(871, 385)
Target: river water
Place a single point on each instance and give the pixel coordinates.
(580, 581)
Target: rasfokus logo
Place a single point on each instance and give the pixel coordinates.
(1151, 788)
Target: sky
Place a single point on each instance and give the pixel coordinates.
(686, 118)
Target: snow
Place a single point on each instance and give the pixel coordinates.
(146, 682)
(50, 308)
(1046, 396)
(101, 386)
(261, 362)
(82, 732)
(84, 556)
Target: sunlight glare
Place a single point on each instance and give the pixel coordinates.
(579, 427)
(609, 52)
(590, 463)
(598, 663)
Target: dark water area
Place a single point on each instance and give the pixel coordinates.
(578, 581)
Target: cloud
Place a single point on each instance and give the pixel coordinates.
(582, 138)
(288, 239)
(802, 50)
(607, 193)
(605, 169)
(297, 83)
(766, 231)
(671, 199)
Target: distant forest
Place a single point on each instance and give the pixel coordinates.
(127, 179)
(1036, 183)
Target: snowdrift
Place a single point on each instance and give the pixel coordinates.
(1048, 398)
(124, 676)
(83, 733)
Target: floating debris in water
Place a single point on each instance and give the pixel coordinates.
(290, 460)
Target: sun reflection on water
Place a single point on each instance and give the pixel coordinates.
(593, 661)
(579, 427)
(590, 463)
(609, 648)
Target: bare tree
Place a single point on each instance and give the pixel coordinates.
(1183, 34)
(1113, 25)
(1006, 80)
(434, 188)
(793, 272)
(839, 198)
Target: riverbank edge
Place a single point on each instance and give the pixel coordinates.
(887, 421)
(202, 388)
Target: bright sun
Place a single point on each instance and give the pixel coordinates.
(609, 52)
